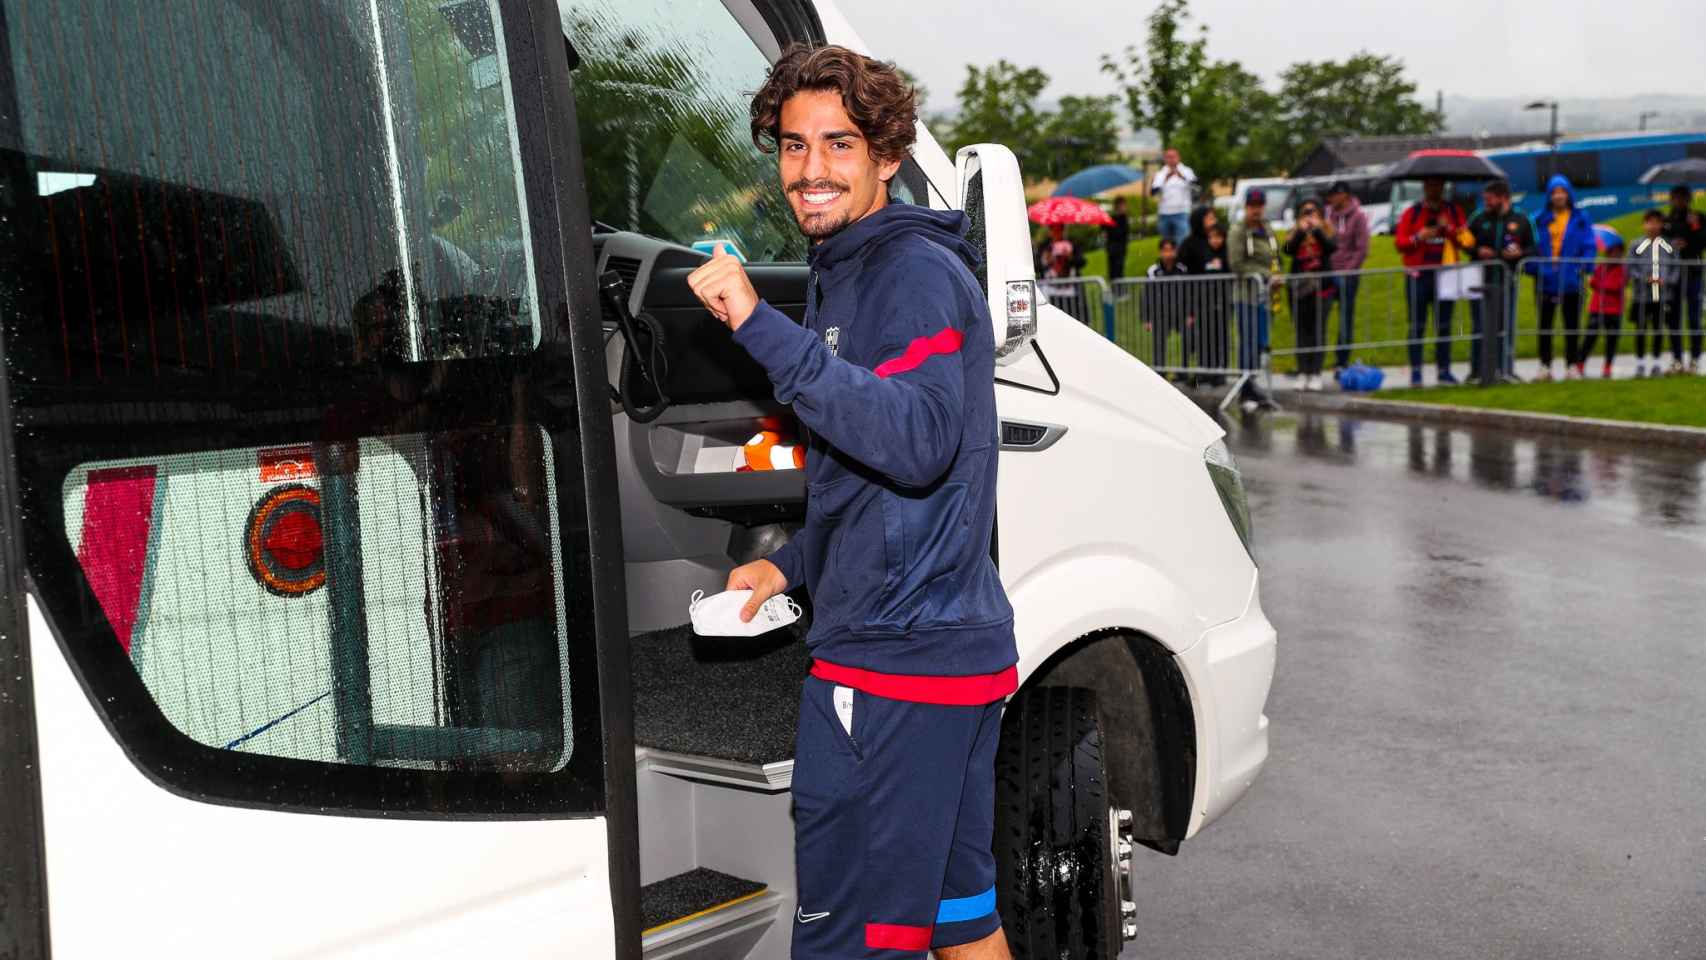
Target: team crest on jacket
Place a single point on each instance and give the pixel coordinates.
(832, 340)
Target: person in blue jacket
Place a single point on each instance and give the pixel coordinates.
(892, 380)
(1564, 242)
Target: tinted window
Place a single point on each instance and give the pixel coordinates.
(293, 489)
(1581, 168)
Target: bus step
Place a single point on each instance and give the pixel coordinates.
(705, 914)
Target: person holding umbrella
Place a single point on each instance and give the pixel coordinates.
(1117, 236)
(1605, 302)
(1428, 234)
(1685, 228)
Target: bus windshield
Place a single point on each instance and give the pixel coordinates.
(661, 95)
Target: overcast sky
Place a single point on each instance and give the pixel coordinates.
(1561, 48)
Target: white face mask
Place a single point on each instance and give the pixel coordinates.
(718, 615)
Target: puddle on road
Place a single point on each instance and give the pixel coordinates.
(1654, 486)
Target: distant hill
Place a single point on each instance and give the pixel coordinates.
(1472, 115)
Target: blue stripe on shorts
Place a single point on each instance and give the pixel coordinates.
(967, 908)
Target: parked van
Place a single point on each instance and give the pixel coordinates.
(363, 446)
(1285, 195)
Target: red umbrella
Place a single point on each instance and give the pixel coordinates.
(1068, 210)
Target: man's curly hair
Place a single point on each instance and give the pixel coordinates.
(877, 97)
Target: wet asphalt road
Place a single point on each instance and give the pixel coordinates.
(1489, 708)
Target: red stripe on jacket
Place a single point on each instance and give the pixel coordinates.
(972, 691)
(895, 936)
(942, 342)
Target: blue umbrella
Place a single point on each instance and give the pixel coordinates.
(1093, 180)
(1605, 238)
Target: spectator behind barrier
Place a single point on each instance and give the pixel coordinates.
(1564, 234)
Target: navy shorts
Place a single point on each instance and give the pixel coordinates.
(892, 825)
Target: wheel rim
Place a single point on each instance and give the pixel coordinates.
(1120, 850)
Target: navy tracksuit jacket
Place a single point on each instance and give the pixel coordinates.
(892, 377)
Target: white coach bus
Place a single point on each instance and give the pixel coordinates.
(363, 444)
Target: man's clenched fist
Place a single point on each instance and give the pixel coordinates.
(722, 286)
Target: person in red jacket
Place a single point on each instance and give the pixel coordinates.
(1429, 234)
(1605, 308)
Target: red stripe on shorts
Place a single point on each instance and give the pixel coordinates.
(972, 691)
(895, 936)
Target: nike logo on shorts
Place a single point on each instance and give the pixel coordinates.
(801, 915)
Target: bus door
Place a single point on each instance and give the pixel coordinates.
(309, 466)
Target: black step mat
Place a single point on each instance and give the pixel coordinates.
(685, 894)
(732, 698)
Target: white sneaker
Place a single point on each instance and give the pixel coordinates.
(718, 615)
(1314, 383)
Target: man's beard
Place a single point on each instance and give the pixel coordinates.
(818, 226)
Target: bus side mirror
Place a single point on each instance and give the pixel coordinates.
(992, 194)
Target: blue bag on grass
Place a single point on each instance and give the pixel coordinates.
(1361, 378)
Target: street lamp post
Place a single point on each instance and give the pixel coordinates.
(1552, 131)
(1648, 115)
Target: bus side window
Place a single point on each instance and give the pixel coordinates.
(286, 486)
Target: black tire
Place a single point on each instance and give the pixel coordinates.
(1057, 892)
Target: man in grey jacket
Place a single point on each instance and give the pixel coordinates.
(1655, 277)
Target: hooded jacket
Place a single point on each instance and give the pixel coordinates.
(1350, 233)
(1565, 273)
(892, 376)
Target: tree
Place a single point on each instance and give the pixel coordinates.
(1229, 130)
(998, 104)
(1156, 83)
(1082, 133)
(1366, 95)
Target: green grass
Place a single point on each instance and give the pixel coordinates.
(1381, 310)
(1680, 401)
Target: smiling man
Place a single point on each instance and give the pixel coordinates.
(892, 376)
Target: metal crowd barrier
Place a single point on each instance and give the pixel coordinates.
(1556, 319)
(1222, 327)
(1332, 318)
(1204, 328)
(1085, 298)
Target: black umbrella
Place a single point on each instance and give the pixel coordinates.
(1691, 170)
(1445, 165)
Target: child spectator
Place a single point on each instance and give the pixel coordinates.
(1605, 308)
(1309, 247)
(1656, 280)
(1212, 303)
(1164, 304)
